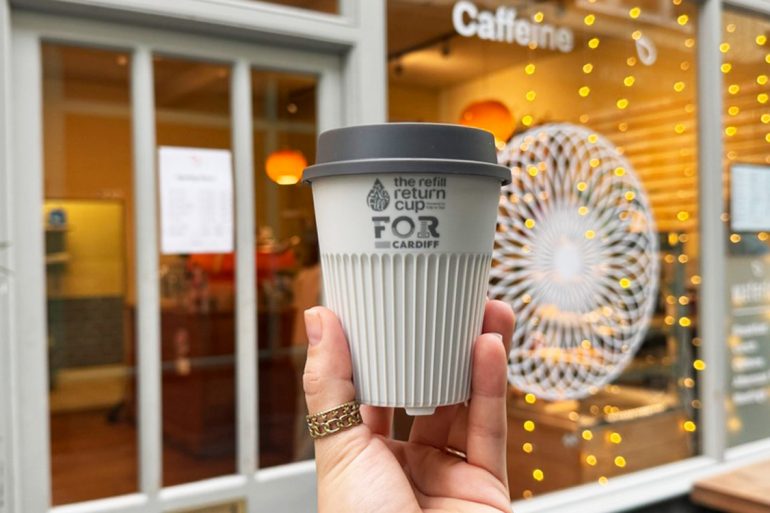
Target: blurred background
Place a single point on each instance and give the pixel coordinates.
(626, 70)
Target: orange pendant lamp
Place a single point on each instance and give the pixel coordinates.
(285, 167)
(492, 116)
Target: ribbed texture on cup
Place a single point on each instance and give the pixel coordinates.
(411, 319)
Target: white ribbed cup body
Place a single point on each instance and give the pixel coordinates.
(410, 314)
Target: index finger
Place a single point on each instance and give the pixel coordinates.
(487, 424)
(498, 318)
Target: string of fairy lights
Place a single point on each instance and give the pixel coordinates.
(741, 111)
(745, 104)
(740, 99)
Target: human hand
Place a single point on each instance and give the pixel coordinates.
(363, 470)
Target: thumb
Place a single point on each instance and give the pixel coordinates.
(328, 383)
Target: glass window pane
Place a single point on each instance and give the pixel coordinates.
(89, 237)
(192, 105)
(619, 79)
(288, 269)
(745, 68)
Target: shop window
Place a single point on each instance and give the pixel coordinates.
(746, 124)
(89, 242)
(197, 271)
(592, 104)
(288, 268)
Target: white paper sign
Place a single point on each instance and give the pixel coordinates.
(196, 200)
(750, 198)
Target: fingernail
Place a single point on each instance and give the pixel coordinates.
(313, 326)
(498, 335)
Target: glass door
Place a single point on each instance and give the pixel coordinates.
(177, 253)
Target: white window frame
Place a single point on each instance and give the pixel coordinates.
(6, 414)
(357, 35)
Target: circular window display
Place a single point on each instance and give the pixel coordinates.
(576, 257)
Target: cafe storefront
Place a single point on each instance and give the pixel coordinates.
(151, 361)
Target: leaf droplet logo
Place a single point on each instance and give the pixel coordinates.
(378, 198)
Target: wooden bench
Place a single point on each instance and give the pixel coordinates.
(746, 490)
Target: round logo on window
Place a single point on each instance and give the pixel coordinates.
(576, 256)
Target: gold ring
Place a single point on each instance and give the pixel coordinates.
(334, 420)
(456, 452)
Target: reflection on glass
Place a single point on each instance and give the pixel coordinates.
(88, 224)
(288, 269)
(234, 507)
(746, 122)
(328, 6)
(625, 71)
(197, 289)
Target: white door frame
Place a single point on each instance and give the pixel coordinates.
(7, 456)
(284, 488)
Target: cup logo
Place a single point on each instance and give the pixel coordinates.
(378, 198)
(416, 202)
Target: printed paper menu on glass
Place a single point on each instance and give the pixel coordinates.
(196, 192)
(750, 198)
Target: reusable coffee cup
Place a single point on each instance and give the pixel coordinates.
(406, 217)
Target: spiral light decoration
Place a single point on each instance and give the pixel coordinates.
(576, 256)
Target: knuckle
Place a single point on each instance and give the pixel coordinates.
(490, 431)
(312, 383)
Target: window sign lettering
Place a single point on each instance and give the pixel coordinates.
(748, 402)
(503, 25)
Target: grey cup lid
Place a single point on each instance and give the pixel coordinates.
(407, 148)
